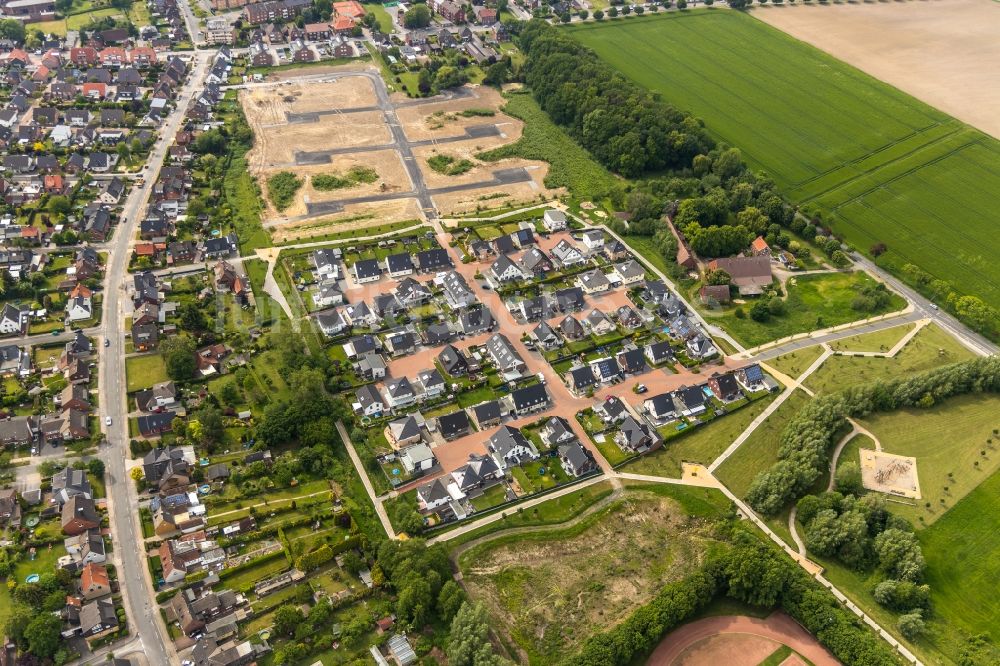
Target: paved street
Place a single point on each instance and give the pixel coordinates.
(123, 507)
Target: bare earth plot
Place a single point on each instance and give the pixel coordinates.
(550, 593)
(944, 53)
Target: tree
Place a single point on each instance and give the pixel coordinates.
(450, 600)
(469, 638)
(599, 15)
(878, 249)
(136, 473)
(775, 306)
(425, 81)
(911, 625)
(13, 30)
(60, 205)
(682, 4)
(96, 467)
(753, 219)
(43, 635)
(497, 73)
(717, 277)
(613, 12)
(849, 478)
(899, 554)
(583, 14)
(286, 619)
(179, 355)
(759, 311)
(417, 16)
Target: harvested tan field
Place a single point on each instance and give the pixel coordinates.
(442, 119)
(526, 193)
(316, 70)
(276, 146)
(731, 649)
(355, 217)
(944, 53)
(271, 104)
(387, 164)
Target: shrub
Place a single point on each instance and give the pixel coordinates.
(281, 189)
(448, 165)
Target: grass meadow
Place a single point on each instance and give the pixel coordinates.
(880, 165)
(814, 301)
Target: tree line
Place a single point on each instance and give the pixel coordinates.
(807, 440)
(752, 573)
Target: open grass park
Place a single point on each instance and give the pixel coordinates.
(880, 165)
(929, 348)
(813, 302)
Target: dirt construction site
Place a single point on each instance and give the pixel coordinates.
(331, 124)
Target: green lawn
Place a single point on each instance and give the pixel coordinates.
(571, 165)
(881, 165)
(532, 480)
(879, 341)
(949, 438)
(814, 301)
(760, 450)
(702, 444)
(555, 510)
(963, 564)
(929, 348)
(795, 363)
(384, 20)
(143, 371)
(490, 498)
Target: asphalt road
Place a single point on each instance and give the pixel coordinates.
(928, 309)
(123, 506)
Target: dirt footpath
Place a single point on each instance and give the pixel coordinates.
(684, 642)
(944, 53)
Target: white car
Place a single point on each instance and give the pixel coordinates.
(107, 420)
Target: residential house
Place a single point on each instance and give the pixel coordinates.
(405, 431)
(79, 515)
(399, 265)
(399, 393)
(556, 431)
(554, 220)
(474, 474)
(509, 448)
(530, 399)
(660, 407)
(659, 352)
(94, 581)
(453, 425)
(437, 259)
(535, 263)
(487, 414)
(628, 317)
(505, 270)
(400, 343)
(453, 361)
(725, 387)
(611, 410)
(750, 275)
(598, 322)
(545, 336)
(474, 321)
(593, 282)
(575, 460)
(359, 314)
(606, 370)
(711, 294)
(506, 360)
(631, 272)
(567, 254)
(751, 378)
(581, 380)
(98, 617)
(571, 328)
(431, 383)
(366, 270)
(631, 361)
(635, 436)
(593, 240)
(690, 400)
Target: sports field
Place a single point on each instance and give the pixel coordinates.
(883, 166)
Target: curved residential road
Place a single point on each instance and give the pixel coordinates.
(123, 505)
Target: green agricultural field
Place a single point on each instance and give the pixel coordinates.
(760, 450)
(930, 348)
(814, 301)
(949, 442)
(881, 165)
